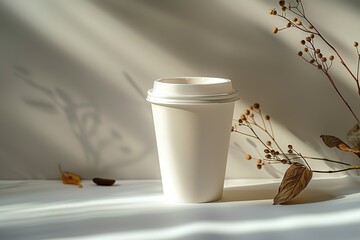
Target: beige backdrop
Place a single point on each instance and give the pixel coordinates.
(74, 76)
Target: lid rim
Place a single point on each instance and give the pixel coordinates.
(215, 98)
(168, 80)
(192, 90)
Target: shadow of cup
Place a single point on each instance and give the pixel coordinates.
(269, 191)
(249, 193)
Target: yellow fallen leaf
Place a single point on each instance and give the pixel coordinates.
(70, 178)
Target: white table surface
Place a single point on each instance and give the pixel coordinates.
(40, 209)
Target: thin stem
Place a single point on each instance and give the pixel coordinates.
(331, 63)
(296, 13)
(341, 96)
(336, 171)
(307, 164)
(273, 139)
(327, 160)
(272, 131)
(314, 52)
(257, 136)
(294, 25)
(262, 119)
(310, 62)
(248, 135)
(323, 65)
(327, 66)
(300, 156)
(268, 161)
(358, 63)
(302, 8)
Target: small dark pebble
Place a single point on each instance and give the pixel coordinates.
(103, 181)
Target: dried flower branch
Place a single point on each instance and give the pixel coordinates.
(300, 171)
(313, 54)
(295, 17)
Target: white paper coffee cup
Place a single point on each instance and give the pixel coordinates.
(192, 119)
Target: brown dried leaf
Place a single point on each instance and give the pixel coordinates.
(296, 178)
(353, 137)
(332, 141)
(346, 148)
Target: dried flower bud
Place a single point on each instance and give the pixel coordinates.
(259, 166)
(320, 55)
(248, 157)
(240, 121)
(312, 61)
(331, 57)
(277, 153)
(319, 66)
(275, 30)
(298, 22)
(267, 117)
(323, 59)
(272, 11)
(258, 160)
(251, 108)
(300, 53)
(306, 49)
(267, 156)
(232, 128)
(266, 150)
(252, 115)
(311, 26)
(247, 112)
(294, 19)
(308, 39)
(283, 8)
(290, 151)
(303, 42)
(356, 44)
(312, 35)
(290, 146)
(288, 25)
(268, 143)
(284, 161)
(317, 50)
(256, 105)
(282, 3)
(243, 117)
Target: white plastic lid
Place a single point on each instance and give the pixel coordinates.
(192, 90)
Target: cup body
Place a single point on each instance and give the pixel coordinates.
(192, 134)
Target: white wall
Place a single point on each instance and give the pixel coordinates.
(74, 76)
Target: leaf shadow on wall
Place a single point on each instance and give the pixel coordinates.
(84, 120)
